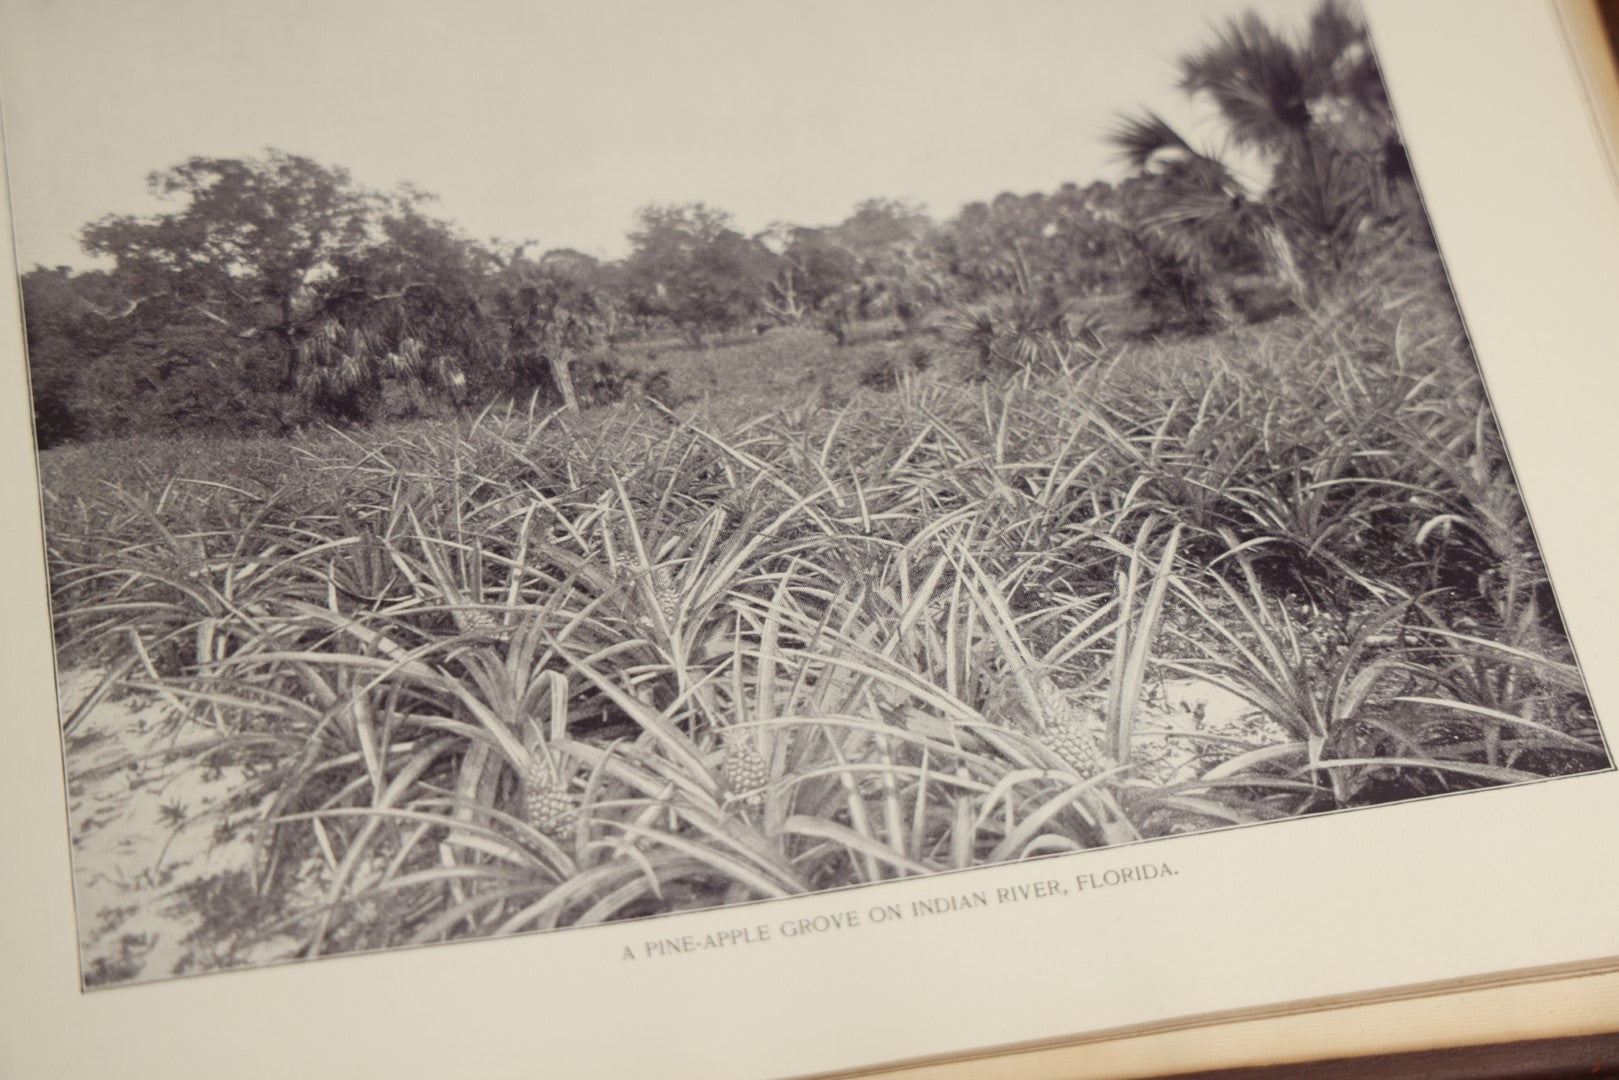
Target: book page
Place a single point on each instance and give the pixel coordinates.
(1156, 917)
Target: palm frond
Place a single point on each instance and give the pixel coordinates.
(1139, 139)
(1260, 82)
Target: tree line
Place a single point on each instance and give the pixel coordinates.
(279, 292)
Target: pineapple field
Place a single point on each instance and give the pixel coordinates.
(532, 668)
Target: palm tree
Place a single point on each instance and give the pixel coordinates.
(1186, 216)
(539, 319)
(1314, 110)
(388, 311)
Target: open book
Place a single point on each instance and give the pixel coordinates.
(1173, 602)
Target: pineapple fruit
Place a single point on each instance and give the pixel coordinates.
(665, 594)
(546, 804)
(477, 621)
(1070, 731)
(744, 769)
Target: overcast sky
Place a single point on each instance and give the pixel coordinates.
(553, 122)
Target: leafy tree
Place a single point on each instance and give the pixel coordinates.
(872, 260)
(277, 289)
(368, 303)
(101, 364)
(690, 265)
(66, 327)
(888, 238)
(884, 225)
(1058, 240)
(393, 312)
(252, 240)
(603, 280)
(164, 378)
(811, 266)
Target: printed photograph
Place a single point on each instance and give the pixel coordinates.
(528, 465)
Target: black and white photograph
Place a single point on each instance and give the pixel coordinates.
(526, 467)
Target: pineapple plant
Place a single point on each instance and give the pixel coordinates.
(1046, 712)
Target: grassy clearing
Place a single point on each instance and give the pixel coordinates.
(522, 672)
(754, 371)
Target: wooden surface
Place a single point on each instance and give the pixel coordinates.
(1548, 1059)
(1592, 30)
(1609, 10)
(1498, 1031)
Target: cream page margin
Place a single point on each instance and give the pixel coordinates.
(1528, 218)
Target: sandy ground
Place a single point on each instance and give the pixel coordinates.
(1166, 745)
(161, 872)
(151, 842)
